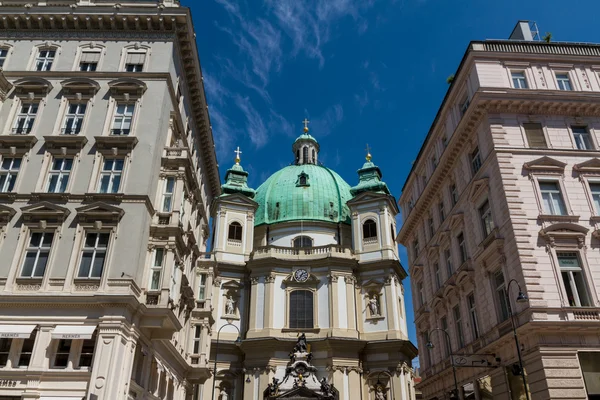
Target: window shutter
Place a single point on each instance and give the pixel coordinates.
(135, 58)
(90, 57)
(535, 135)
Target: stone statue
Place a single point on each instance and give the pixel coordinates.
(273, 388)
(230, 306)
(325, 387)
(379, 393)
(224, 395)
(301, 345)
(374, 305)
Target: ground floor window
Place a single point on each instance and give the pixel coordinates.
(590, 366)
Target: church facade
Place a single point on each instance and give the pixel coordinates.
(305, 258)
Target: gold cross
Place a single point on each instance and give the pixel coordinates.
(237, 155)
(306, 122)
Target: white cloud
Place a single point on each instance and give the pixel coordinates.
(255, 127)
(324, 124)
(361, 100)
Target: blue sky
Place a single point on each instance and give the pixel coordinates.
(363, 71)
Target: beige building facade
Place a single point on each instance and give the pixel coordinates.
(505, 197)
(107, 172)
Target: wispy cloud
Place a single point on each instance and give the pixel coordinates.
(361, 100)
(255, 127)
(325, 123)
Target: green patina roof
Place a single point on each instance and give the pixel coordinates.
(323, 198)
(305, 136)
(369, 177)
(236, 182)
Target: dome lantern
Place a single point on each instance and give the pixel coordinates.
(306, 148)
(236, 179)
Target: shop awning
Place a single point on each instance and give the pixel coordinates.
(16, 331)
(73, 331)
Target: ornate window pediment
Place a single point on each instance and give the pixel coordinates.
(590, 166)
(546, 164)
(6, 214)
(456, 220)
(32, 88)
(126, 88)
(79, 88)
(100, 211)
(44, 211)
(562, 231)
(479, 187)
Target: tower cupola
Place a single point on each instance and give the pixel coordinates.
(306, 148)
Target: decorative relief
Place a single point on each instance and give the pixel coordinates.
(333, 278)
(270, 278)
(86, 288)
(29, 288)
(254, 280)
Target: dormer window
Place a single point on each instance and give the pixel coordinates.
(302, 242)
(302, 180)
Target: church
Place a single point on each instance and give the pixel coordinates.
(307, 297)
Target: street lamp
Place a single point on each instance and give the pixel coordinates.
(430, 345)
(238, 341)
(521, 298)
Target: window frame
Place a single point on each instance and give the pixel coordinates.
(438, 276)
(201, 285)
(302, 239)
(60, 173)
(314, 317)
(37, 58)
(526, 136)
(561, 193)
(83, 248)
(462, 247)
(457, 317)
(16, 129)
(76, 117)
(475, 160)
(472, 305)
(560, 82)
(157, 268)
(582, 137)
(502, 306)
(486, 218)
(238, 228)
(124, 116)
(165, 194)
(89, 48)
(10, 172)
(595, 204)
(573, 286)
(37, 249)
(9, 50)
(524, 78)
(370, 225)
(135, 48)
(448, 260)
(112, 173)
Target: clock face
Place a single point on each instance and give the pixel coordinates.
(301, 275)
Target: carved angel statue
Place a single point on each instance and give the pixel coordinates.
(379, 393)
(230, 306)
(374, 305)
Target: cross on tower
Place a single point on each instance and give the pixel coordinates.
(368, 149)
(237, 155)
(306, 122)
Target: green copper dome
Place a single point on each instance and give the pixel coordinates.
(303, 192)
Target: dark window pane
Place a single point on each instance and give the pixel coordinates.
(86, 263)
(98, 265)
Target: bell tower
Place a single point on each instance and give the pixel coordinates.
(306, 148)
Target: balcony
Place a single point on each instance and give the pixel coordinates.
(305, 253)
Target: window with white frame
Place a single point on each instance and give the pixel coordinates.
(157, 268)
(475, 157)
(9, 170)
(444, 324)
(58, 176)
(487, 222)
(63, 351)
(122, 119)
(174, 286)
(45, 59)
(168, 192)
(448, 257)
(89, 60)
(573, 279)
(369, 230)
(25, 118)
(197, 338)
(563, 81)
(3, 55)
(74, 119)
(202, 286)
(535, 135)
(554, 203)
(462, 247)
(37, 254)
(500, 288)
(473, 314)
(110, 176)
(134, 61)
(518, 79)
(582, 137)
(595, 191)
(438, 275)
(458, 325)
(301, 309)
(93, 255)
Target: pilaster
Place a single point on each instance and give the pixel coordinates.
(269, 296)
(333, 297)
(252, 295)
(42, 342)
(351, 302)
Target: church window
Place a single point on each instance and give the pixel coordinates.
(303, 180)
(305, 155)
(298, 155)
(369, 229)
(313, 157)
(156, 269)
(235, 231)
(301, 309)
(302, 241)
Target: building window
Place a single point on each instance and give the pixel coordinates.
(554, 203)
(473, 314)
(535, 135)
(458, 323)
(563, 81)
(519, 80)
(434, 163)
(122, 119)
(464, 105)
(37, 254)
(475, 160)
(301, 309)
(87, 352)
(167, 201)
(573, 280)
(369, 229)
(5, 344)
(93, 255)
(135, 61)
(157, 268)
(44, 59)
(302, 242)
(89, 61)
(305, 155)
(595, 190)
(453, 194)
(26, 350)
(63, 350)
(416, 248)
(420, 294)
(449, 266)
(74, 119)
(9, 170)
(197, 336)
(487, 223)
(110, 176)
(25, 119)
(442, 211)
(3, 55)
(431, 227)
(583, 139)
(235, 231)
(202, 287)
(500, 287)
(438, 276)
(462, 246)
(58, 177)
(444, 323)
(174, 286)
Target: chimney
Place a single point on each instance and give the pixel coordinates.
(525, 30)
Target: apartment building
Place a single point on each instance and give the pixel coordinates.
(107, 169)
(501, 217)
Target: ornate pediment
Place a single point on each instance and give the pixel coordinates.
(32, 87)
(126, 88)
(478, 188)
(545, 164)
(564, 230)
(6, 213)
(592, 166)
(78, 88)
(99, 211)
(456, 220)
(44, 211)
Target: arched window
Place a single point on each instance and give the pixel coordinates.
(313, 157)
(369, 229)
(302, 241)
(303, 179)
(301, 309)
(235, 231)
(305, 155)
(298, 155)
(393, 232)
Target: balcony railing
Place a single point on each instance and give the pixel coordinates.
(318, 252)
(120, 132)
(70, 131)
(21, 131)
